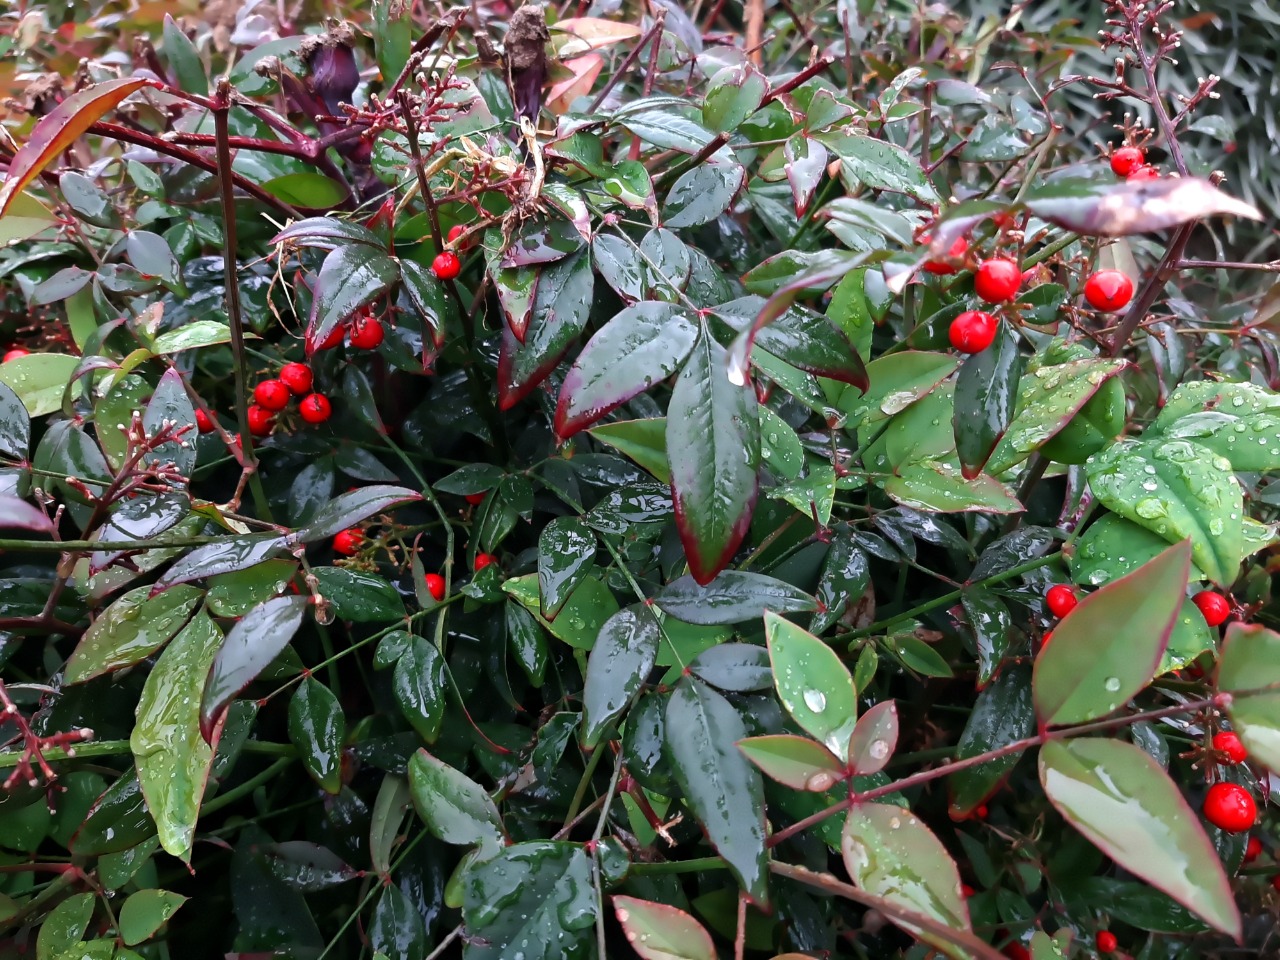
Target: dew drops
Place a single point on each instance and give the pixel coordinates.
(815, 700)
(878, 750)
(1112, 684)
(820, 782)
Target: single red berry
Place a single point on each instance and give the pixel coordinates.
(1108, 290)
(483, 560)
(1275, 881)
(456, 231)
(333, 339)
(366, 332)
(475, 499)
(997, 280)
(1125, 160)
(1144, 172)
(435, 586)
(1016, 951)
(967, 891)
(1107, 942)
(261, 420)
(973, 331)
(981, 811)
(1224, 741)
(348, 542)
(942, 267)
(315, 408)
(446, 265)
(272, 394)
(1215, 607)
(297, 377)
(14, 354)
(1252, 850)
(204, 423)
(1061, 600)
(1230, 807)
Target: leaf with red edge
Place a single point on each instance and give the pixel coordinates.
(583, 73)
(60, 128)
(561, 305)
(713, 446)
(17, 513)
(800, 337)
(643, 345)
(1098, 209)
(659, 932)
(874, 739)
(796, 762)
(1109, 647)
(352, 276)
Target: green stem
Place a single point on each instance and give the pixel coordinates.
(696, 865)
(120, 748)
(244, 789)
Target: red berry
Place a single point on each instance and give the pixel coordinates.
(333, 339)
(14, 354)
(315, 408)
(297, 377)
(1144, 172)
(366, 332)
(981, 811)
(1126, 160)
(1230, 807)
(204, 423)
(446, 265)
(997, 280)
(1108, 290)
(1275, 881)
(456, 231)
(942, 267)
(348, 542)
(475, 499)
(272, 394)
(483, 560)
(1107, 942)
(1061, 600)
(260, 420)
(435, 586)
(973, 331)
(1252, 850)
(966, 891)
(1215, 607)
(1016, 951)
(1228, 743)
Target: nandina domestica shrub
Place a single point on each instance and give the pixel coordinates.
(599, 482)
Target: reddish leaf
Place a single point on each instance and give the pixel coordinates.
(874, 739)
(795, 762)
(659, 932)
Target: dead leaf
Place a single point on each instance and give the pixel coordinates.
(588, 33)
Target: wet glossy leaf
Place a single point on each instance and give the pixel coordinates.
(879, 165)
(348, 509)
(735, 93)
(133, 627)
(813, 683)
(38, 379)
(619, 262)
(454, 807)
(806, 165)
(1109, 646)
(527, 643)
(225, 556)
(1140, 906)
(117, 821)
(719, 785)
(795, 762)
(255, 640)
(420, 686)
(308, 867)
(65, 924)
(317, 728)
(235, 594)
(533, 899)
(327, 233)
(15, 425)
(566, 551)
(1003, 714)
(644, 441)
(172, 753)
(389, 810)
(145, 912)
(938, 488)
(351, 276)
(1179, 490)
(199, 333)
(1098, 209)
(891, 854)
(737, 667)
(1250, 661)
(668, 130)
(151, 256)
(360, 597)
(1198, 396)
(897, 381)
(1123, 802)
(991, 622)
(985, 397)
(620, 662)
(1249, 443)
(1114, 546)
(713, 447)
(184, 59)
(428, 297)
(845, 577)
(700, 195)
(800, 337)
(396, 929)
(657, 931)
(874, 739)
(582, 615)
(732, 597)
(641, 346)
(171, 405)
(61, 127)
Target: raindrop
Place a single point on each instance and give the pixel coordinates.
(878, 750)
(815, 700)
(1112, 684)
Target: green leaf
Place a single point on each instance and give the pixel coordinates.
(644, 441)
(527, 642)
(798, 336)
(39, 380)
(351, 276)
(849, 311)
(657, 931)
(917, 655)
(1178, 490)
(780, 448)
(581, 617)
(1237, 399)
(419, 685)
(1109, 647)
(738, 667)
(668, 130)
(1249, 670)
(897, 381)
(1138, 905)
(1124, 803)
(845, 578)
(389, 810)
(713, 447)
(15, 425)
(1191, 637)
(429, 299)
(939, 488)
(184, 59)
(172, 757)
(396, 929)
(991, 622)
(985, 397)
(1047, 401)
(359, 597)
(454, 807)
(1113, 546)
(700, 195)
(813, 683)
(1248, 443)
(619, 262)
(190, 336)
(170, 403)
(1096, 208)
(719, 785)
(732, 597)
(534, 900)
(318, 728)
(891, 854)
(308, 191)
(922, 432)
(1003, 714)
(734, 94)
(145, 912)
(879, 165)
(806, 165)
(620, 662)
(224, 556)
(65, 924)
(795, 762)
(235, 594)
(566, 551)
(350, 508)
(135, 626)
(117, 821)
(150, 255)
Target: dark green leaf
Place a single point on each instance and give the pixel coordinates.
(133, 627)
(700, 195)
(351, 276)
(361, 597)
(396, 929)
(985, 397)
(845, 578)
(566, 550)
(620, 662)
(991, 622)
(225, 556)
(736, 667)
(453, 806)
(318, 728)
(419, 685)
(184, 59)
(1002, 714)
(732, 597)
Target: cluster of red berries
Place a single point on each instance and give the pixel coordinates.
(364, 332)
(1131, 163)
(272, 396)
